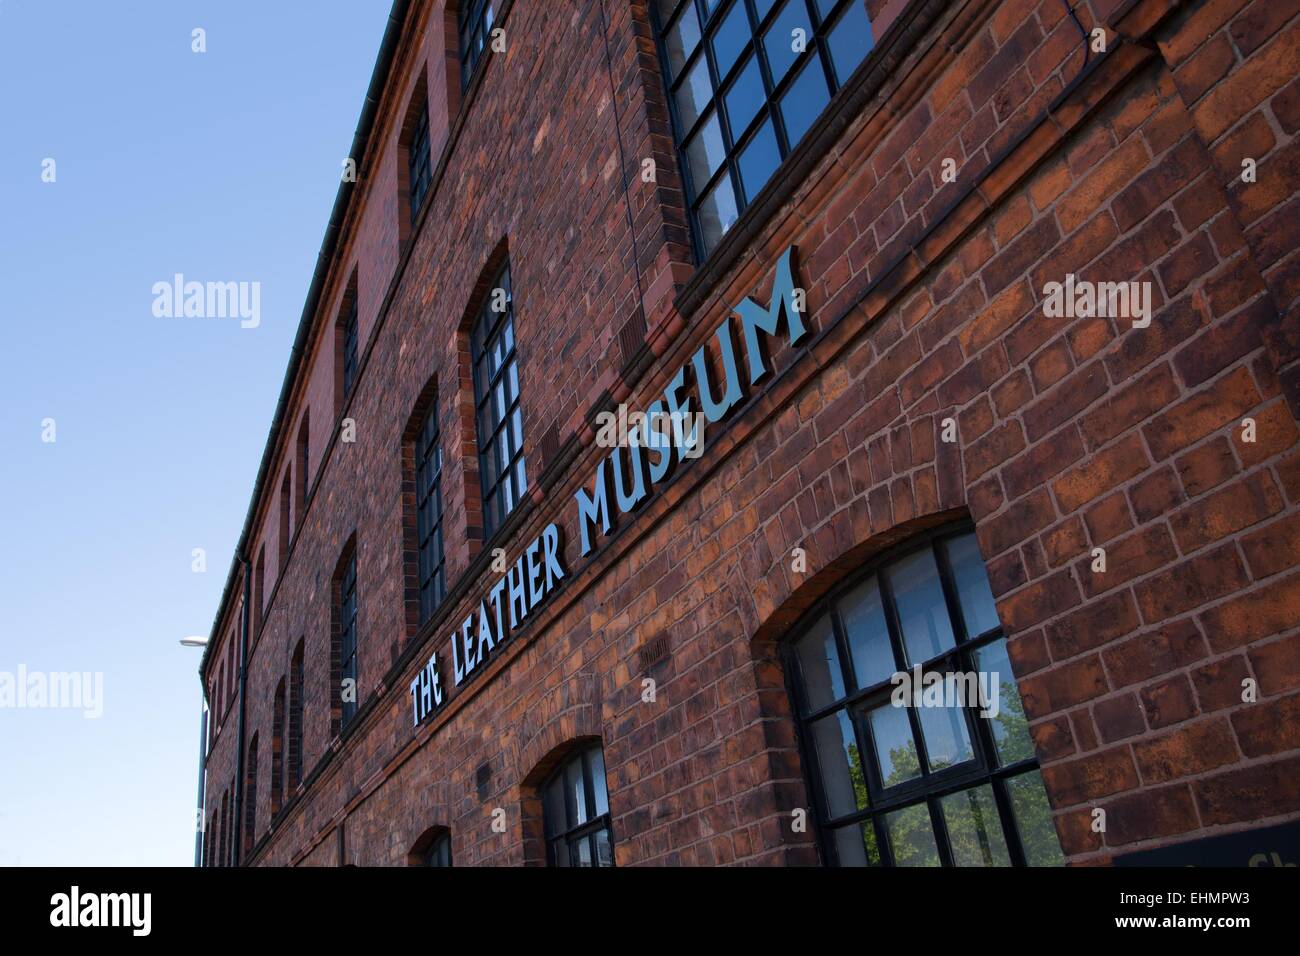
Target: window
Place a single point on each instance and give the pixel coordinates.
(746, 79)
(419, 174)
(428, 520)
(476, 19)
(250, 798)
(286, 508)
(576, 809)
(926, 785)
(347, 609)
(259, 590)
(300, 501)
(496, 399)
(349, 328)
(295, 717)
(277, 749)
(439, 852)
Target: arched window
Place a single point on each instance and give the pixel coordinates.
(476, 19)
(431, 578)
(432, 849)
(575, 806)
(277, 750)
(295, 716)
(938, 771)
(496, 399)
(343, 647)
(250, 797)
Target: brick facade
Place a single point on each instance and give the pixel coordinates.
(924, 303)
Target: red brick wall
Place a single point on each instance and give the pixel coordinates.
(925, 300)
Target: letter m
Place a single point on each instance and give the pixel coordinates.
(754, 317)
(593, 508)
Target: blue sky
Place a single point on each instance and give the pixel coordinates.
(222, 166)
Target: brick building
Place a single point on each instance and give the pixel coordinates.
(870, 241)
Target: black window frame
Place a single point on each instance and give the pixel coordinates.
(930, 786)
(735, 142)
(501, 491)
(571, 834)
(419, 168)
(475, 21)
(350, 358)
(430, 549)
(438, 853)
(348, 637)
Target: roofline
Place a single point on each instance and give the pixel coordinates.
(397, 17)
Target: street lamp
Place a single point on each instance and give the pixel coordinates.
(203, 747)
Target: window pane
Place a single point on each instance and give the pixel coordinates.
(694, 94)
(911, 837)
(705, 151)
(922, 614)
(850, 40)
(840, 764)
(804, 101)
(744, 98)
(577, 794)
(560, 852)
(972, 583)
(781, 41)
(895, 749)
(604, 850)
(598, 781)
(947, 742)
(868, 635)
(681, 37)
(554, 803)
(582, 851)
(974, 828)
(717, 214)
(855, 845)
(1010, 728)
(759, 160)
(819, 663)
(733, 33)
(1034, 820)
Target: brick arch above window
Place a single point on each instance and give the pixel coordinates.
(431, 848)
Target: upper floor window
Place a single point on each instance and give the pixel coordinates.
(296, 677)
(746, 80)
(419, 172)
(476, 19)
(925, 778)
(428, 513)
(347, 609)
(496, 399)
(575, 805)
(350, 348)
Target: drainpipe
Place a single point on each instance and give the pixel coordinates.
(243, 686)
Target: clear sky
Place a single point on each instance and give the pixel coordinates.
(222, 166)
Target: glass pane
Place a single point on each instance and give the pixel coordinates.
(922, 614)
(582, 849)
(560, 852)
(911, 837)
(744, 98)
(604, 849)
(681, 37)
(850, 40)
(759, 160)
(694, 94)
(804, 101)
(705, 151)
(1006, 713)
(1034, 820)
(717, 214)
(895, 749)
(733, 33)
(556, 818)
(855, 845)
(974, 828)
(840, 764)
(576, 794)
(763, 6)
(947, 741)
(972, 584)
(819, 663)
(785, 40)
(598, 781)
(868, 634)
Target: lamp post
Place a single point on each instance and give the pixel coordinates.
(200, 809)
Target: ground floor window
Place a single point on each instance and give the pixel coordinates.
(937, 770)
(576, 810)
(439, 852)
